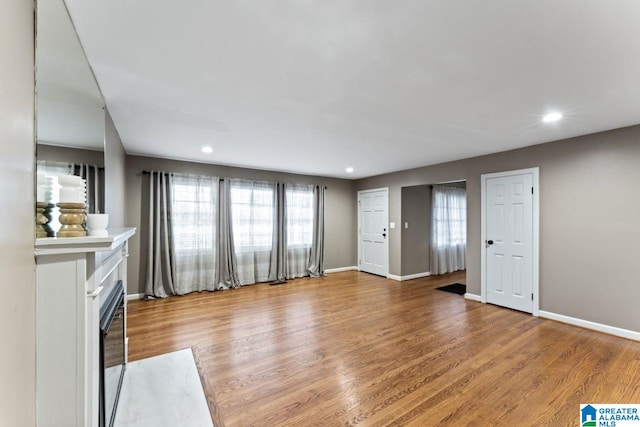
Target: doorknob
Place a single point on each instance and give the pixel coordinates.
(489, 242)
(384, 235)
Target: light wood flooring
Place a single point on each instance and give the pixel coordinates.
(357, 349)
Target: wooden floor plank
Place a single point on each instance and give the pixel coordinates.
(357, 349)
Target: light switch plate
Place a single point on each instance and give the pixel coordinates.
(406, 225)
(392, 225)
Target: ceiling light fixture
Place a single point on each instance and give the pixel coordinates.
(349, 169)
(207, 150)
(552, 117)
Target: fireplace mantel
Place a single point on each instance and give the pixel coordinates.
(71, 275)
(68, 245)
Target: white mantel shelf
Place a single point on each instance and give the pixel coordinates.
(71, 245)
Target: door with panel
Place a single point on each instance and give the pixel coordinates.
(373, 243)
(509, 241)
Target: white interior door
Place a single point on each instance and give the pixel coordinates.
(373, 224)
(510, 267)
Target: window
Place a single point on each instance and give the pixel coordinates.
(193, 215)
(299, 214)
(252, 214)
(449, 216)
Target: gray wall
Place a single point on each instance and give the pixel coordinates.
(17, 159)
(340, 212)
(70, 155)
(114, 172)
(589, 220)
(416, 211)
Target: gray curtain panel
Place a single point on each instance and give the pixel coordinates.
(226, 274)
(94, 177)
(278, 268)
(316, 258)
(160, 262)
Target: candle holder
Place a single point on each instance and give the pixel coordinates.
(72, 218)
(48, 214)
(41, 220)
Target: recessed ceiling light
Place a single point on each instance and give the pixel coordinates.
(207, 150)
(349, 169)
(552, 117)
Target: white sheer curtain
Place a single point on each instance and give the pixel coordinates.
(299, 217)
(193, 226)
(448, 229)
(252, 221)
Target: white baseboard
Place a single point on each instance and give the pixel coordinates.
(473, 297)
(611, 330)
(340, 269)
(409, 276)
(134, 296)
(416, 276)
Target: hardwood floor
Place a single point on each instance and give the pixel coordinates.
(357, 349)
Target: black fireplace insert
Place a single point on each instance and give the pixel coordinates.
(112, 353)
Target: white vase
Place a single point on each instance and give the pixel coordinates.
(97, 224)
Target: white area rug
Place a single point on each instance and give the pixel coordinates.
(163, 391)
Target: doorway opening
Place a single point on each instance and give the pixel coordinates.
(433, 242)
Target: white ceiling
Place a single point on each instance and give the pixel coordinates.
(316, 86)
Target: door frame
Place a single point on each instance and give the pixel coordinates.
(535, 172)
(386, 241)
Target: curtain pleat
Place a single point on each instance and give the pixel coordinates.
(316, 257)
(226, 274)
(160, 262)
(278, 267)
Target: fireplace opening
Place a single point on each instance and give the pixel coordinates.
(112, 353)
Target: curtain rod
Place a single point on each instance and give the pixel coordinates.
(145, 172)
(92, 165)
(100, 168)
(149, 172)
